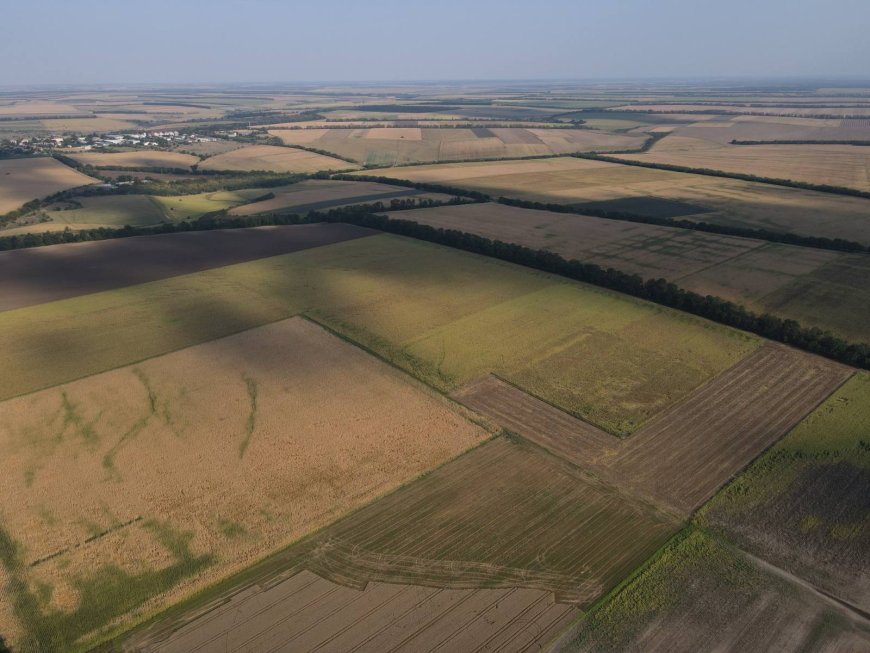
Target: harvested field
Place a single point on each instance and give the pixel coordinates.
(144, 518)
(136, 159)
(403, 145)
(698, 445)
(719, 201)
(210, 148)
(322, 195)
(838, 165)
(23, 180)
(45, 274)
(701, 595)
(305, 612)
(447, 317)
(788, 112)
(270, 158)
(804, 505)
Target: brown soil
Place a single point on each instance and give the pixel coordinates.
(44, 274)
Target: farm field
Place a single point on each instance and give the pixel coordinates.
(403, 145)
(112, 211)
(658, 193)
(570, 538)
(702, 595)
(46, 274)
(837, 165)
(273, 159)
(804, 504)
(785, 280)
(23, 180)
(781, 111)
(306, 612)
(136, 159)
(144, 518)
(322, 195)
(445, 316)
(190, 207)
(777, 128)
(697, 445)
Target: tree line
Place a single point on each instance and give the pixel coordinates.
(734, 141)
(836, 244)
(659, 290)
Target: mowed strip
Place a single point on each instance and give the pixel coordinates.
(192, 465)
(308, 613)
(680, 458)
(44, 274)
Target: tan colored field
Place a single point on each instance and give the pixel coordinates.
(37, 108)
(642, 190)
(838, 165)
(273, 159)
(402, 145)
(87, 125)
(322, 195)
(23, 180)
(308, 613)
(772, 128)
(187, 469)
(789, 111)
(137, 159)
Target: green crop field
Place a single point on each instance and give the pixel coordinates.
(112, 211)
(190, 207)
(803, 505)
(445, 316)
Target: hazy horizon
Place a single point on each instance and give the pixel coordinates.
(92, 42)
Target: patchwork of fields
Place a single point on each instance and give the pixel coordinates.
(404, 145)
(788, 281)
(658, 193)
(270, 158)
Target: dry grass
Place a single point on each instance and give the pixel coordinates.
(22, 180)
(273, 159)
(199, 441)
(136, 159)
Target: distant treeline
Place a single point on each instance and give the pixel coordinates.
(418, 185)
(790, 183)
(729, 112)
(800, 142)
(659, 290)
(836, 244)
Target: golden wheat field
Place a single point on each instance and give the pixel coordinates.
(23, 180)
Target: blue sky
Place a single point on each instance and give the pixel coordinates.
(112, 41)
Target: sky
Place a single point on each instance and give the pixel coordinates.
(225, 41)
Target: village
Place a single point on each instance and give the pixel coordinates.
(105, 142)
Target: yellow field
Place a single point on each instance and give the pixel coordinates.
(190, 466)
(838, 165)
(401, 145)
(37, 108)
(716, 200)
(22, 180)
(88, 125)
(273, 159)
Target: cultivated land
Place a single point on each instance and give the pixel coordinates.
(447, 317)
(190, 207)
(838, 165)
(566, 533)
(23, 180)
(273, 159)
(46, 274)
(144, 517)
(804, 504)
(701, 595)
(697, 445)
(403, 145)
(323, 194)
(788, 281)
(90, 212)
(658, 193)
(136, 159)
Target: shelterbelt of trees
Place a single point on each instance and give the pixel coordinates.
(659, 290)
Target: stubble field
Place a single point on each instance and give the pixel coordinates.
(136, 159)
(273, 159)
(23, 180)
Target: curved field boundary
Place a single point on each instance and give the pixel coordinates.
(44, 274)
(683, 456)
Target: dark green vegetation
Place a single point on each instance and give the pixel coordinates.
(653, 207)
